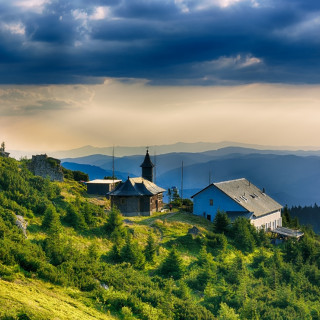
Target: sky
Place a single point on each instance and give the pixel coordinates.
(147, 72)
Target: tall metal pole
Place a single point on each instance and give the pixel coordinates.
(113, 164)
(112, 175)
(182, 180)
(155, 166)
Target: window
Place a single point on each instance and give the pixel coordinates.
(211, 202)
(209, 217)
(204, 213)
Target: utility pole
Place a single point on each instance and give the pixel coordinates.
(155, 166)
(113, 164)
(182, 180)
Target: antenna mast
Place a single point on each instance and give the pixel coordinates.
(113, 164)
(155, 166)
(182, 180)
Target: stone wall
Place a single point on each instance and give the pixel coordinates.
(4, 154)
(44, 166)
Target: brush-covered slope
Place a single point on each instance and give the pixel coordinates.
(81, 261)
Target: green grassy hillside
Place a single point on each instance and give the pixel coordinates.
(82, 261)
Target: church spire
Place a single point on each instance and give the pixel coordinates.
(147, 167)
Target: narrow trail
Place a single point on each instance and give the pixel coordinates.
(159, 229)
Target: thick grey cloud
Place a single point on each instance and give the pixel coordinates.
(200, 42)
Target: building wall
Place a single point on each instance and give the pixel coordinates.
(269, 221)
(138, 206)
(44, 166)
(100, 188)
(202, 206)
(128, 206)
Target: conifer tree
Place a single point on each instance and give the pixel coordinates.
(115, 253)
(51, 216)
(75, 218)
(172, 266)
(132, 253)
(114, 221)
(221, 222)
(242, 232)
(54, 244)
(286, 218)
(203, 257)
(227, 313)
(150, 249)
(93, 253)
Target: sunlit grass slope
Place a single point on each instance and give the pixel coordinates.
(45, 301)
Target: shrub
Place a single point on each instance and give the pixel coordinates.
(172, 266)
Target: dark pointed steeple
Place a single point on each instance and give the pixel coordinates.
(147, 167)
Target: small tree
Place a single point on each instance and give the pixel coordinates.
(150, 249)
(114, 221)
(172, 266)
(221, 222)
(74, 217)
(169, 195)
(243, 234)
(204, 257)
(176, 199)
(132, 253)
(286, 218)
(3, 147)
(51, 217)
(115, 253)
(227, 313)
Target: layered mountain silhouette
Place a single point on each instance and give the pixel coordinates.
(290, 177)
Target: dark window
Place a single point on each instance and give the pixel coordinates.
(211, 202)
(209, 217)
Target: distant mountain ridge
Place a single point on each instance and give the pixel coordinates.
(290, 178)
(94, 172)
(121, 151)
(194, 147)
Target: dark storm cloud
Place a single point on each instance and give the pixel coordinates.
(165, 42)
(37, 108)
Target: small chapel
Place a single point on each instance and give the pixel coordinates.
(138, 196)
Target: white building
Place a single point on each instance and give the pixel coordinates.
(238, 198)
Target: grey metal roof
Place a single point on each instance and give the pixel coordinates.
(104, 181)
(287, 232)
(136, 187)
(248, 196)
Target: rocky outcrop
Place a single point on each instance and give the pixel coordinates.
(44, 166)
(194, 231)
(22, 224)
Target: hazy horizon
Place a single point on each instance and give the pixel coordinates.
(135, 72)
